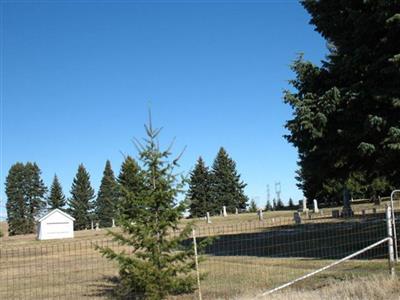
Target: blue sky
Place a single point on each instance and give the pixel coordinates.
(78, 78)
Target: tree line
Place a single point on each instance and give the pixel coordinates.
(28, 197)
(211, 189)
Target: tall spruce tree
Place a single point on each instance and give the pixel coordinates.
(227, 189)
(56, 198)
(346, 125)
(199, 190)
(80, 203)
(17, 207)
(159, 264)
(130, 181)
(25, 192)
(107, 197)
(35, 191)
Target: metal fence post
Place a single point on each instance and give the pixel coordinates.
(197, 263)
(390, 241)
(394, 223)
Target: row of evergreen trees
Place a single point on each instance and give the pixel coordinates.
(209, 190)
(275, 205)
(27, 196)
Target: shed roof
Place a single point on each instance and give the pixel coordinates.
(53, 212)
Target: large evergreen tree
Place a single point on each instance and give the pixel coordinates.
(199, 190)
(56, 198)
(25, 192)
(17, 207)
(227, 189)
(346, 122)
(158, 264)
(80, 203)
(130, 181)
(107, 197)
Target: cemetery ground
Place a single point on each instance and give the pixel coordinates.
(248, 257)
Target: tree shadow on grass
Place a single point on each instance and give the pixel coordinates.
(328, 240)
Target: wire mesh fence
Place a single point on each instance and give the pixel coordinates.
(243, 259)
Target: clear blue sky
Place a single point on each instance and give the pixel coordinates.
(77, 80)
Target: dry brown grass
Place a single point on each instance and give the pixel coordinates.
(375, 287)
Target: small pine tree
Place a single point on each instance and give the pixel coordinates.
(56, 198)
(81, 201)
(252, 206)
(107, 197)
(160, 264)
(268, 206)
(291, 204)
(199, 190)
(274, 204)
(280, 205)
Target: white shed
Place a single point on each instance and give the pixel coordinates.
(55, 225)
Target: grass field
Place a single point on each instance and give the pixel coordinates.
(235, 267)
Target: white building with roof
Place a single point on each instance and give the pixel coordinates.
(55, 225)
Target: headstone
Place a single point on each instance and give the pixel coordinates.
(260, 214)
(321, 212)
(224, 214)
(315, 206)
(91, 223)
(236, 211)
(305, 204)
(363, 213)
(297, 217)
(346, 210)
(113, 223)
(208, 219)
(97, 226)
(335, 213)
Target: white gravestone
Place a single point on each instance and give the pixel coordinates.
(224, 214)
(260, 215)
(305, 209)
(208, 219)
(315, 206)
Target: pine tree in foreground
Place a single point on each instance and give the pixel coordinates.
(107, 197)
(81, 201)
(56, 198)
(158, 264)
(199, 190)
